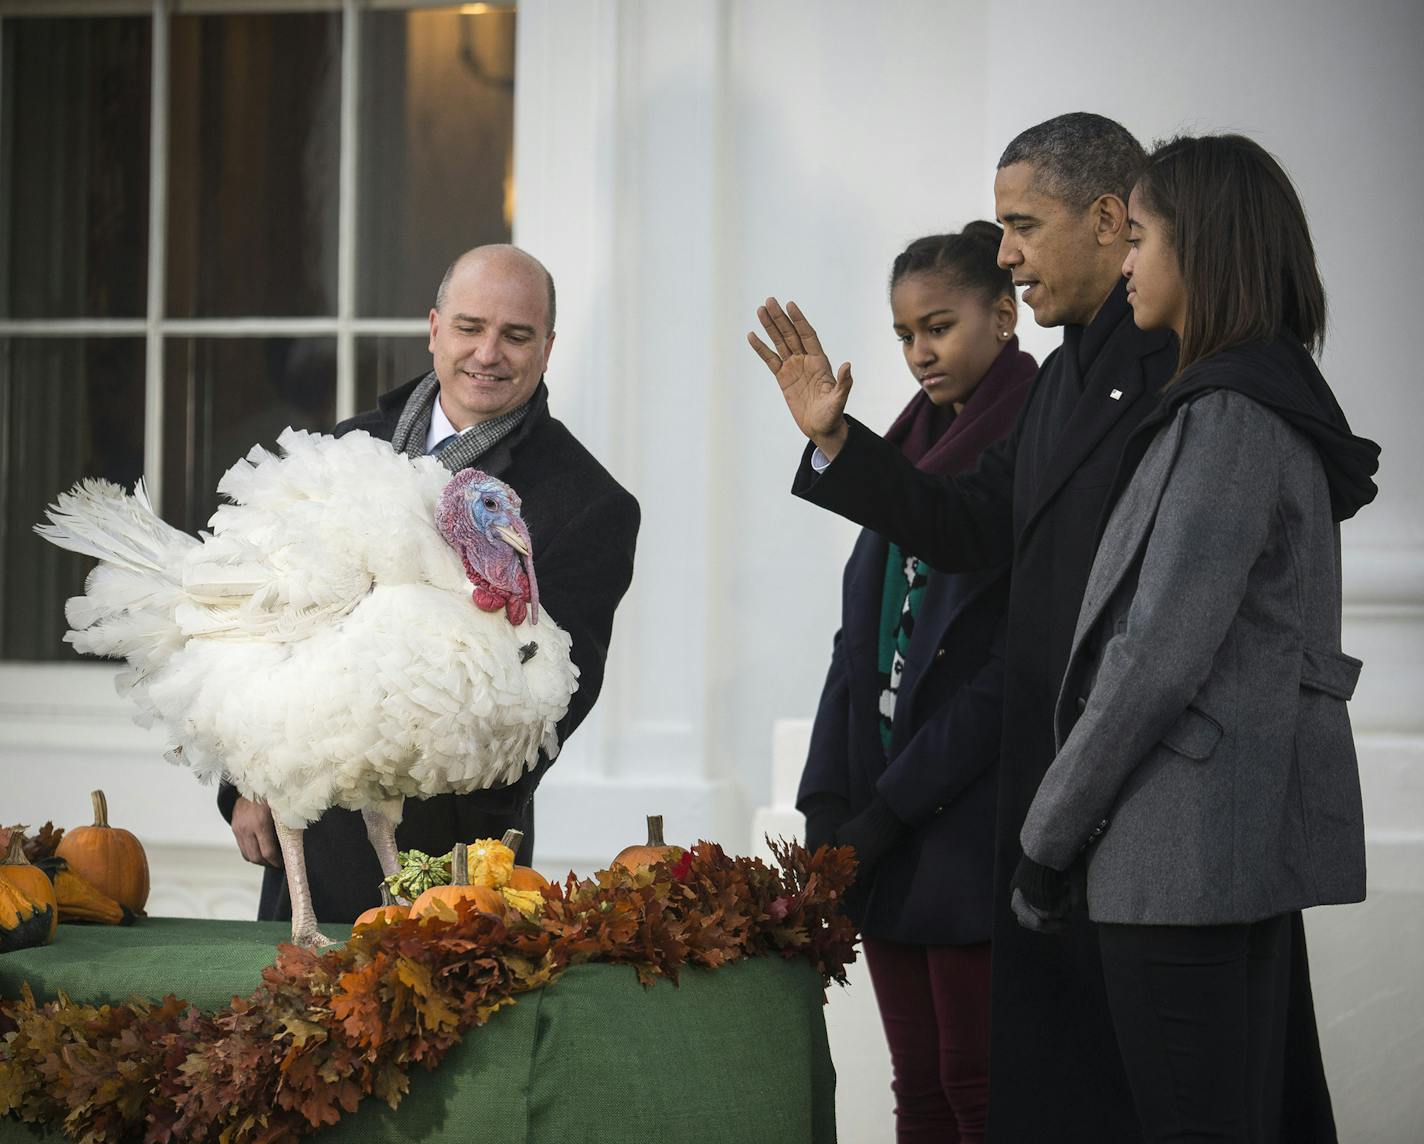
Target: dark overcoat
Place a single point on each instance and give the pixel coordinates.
(935, 887)
(584, 526)
(1039, 498)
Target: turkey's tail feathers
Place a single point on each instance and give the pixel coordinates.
(97, 518)
(129, 599)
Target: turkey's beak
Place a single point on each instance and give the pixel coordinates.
(517, 537)
(520, 544)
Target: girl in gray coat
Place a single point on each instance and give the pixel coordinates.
(1205, 785)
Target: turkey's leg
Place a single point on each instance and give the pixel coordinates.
(381, 831)
(304, 931)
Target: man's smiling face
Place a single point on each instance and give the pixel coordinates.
(490, 337)
(1050, 246)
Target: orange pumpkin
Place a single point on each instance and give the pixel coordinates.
(110, 859)
(522, 877)
(29, 883)
(525, 878)
(387, 912)
(655, 850)
(484, 898)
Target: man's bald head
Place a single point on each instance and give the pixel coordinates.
(505, 259)
(491, 333)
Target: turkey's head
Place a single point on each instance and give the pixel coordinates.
(479, 518)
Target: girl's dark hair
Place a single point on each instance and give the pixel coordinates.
(1241, 240)
(968, 259)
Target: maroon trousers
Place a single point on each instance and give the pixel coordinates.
(934, 1003)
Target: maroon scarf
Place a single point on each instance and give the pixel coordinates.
(937, 440)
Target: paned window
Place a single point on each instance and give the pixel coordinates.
(218, 219)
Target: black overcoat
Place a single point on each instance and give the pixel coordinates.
(935, 886)
(1039, 497)
(584, 526)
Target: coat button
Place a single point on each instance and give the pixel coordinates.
(1082, 704)
(939, 654)
(939, 810)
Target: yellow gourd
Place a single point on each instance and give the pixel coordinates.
(29, 911)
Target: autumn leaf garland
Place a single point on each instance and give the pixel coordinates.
(324, 1030)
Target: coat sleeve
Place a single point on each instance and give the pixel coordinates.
(953, 747)
(1212, 522)
(584, 570)
(955, 524)
(227, 799)
(823, 795)
(828, 757)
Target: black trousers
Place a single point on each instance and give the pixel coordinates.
(1200, 1015)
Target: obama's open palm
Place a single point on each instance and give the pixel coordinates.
(814, 393)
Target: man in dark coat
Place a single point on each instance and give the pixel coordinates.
(485, 406)
(1038, 498)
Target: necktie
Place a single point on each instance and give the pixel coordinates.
(440, 444)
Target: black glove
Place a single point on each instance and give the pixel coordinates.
(872, 832)
(825, 815)
(1040, 896)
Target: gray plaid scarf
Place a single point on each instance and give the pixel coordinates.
(414, 427)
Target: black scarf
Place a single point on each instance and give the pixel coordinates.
(1281, 375)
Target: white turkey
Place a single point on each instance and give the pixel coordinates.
(359, 628)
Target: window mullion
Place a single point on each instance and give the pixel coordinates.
(157, 257)
(346, 214)
(5, 217)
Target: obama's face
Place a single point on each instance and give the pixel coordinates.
(1052, 247)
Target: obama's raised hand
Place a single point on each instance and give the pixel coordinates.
(814, 393)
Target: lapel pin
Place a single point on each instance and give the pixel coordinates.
(1116, 395)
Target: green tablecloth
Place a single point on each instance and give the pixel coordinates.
(736, 1055)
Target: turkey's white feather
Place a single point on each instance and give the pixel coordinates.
(321, 647)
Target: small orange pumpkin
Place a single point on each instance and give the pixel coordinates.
(386, 913)
(109, 858)
(525, 878)
(521, 877)
(484, 898)
(655, 850)
(29, 885)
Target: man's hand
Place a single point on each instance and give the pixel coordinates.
(815, 395)
(255, 834)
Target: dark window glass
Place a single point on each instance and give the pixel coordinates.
(74, 102)
(437, 134)
(69, 408)
(384, 363)
(254, 148)
(221, 396)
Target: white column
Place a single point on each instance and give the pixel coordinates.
(618, 169)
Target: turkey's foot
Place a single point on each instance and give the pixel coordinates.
(304, 931)
(309, 937)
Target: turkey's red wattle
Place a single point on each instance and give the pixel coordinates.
(490, 597)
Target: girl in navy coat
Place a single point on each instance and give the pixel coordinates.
(906, 740)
